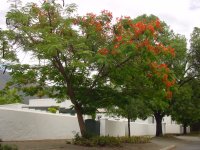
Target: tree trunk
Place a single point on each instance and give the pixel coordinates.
(184, 129)
(80, 120)
(129, 131)
(70, 92)
(158, 118)
(77, 109)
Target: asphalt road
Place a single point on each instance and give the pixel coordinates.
(180, 142)
(189, 146)
(190, 143)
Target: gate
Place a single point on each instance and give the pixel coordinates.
(92, 126)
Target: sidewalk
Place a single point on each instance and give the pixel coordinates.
(157, 143)
(61, 145)
(168, 142)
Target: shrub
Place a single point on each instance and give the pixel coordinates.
(52, 110)
(108, 140)
(96, 141)
(8, 147)
(135, 139)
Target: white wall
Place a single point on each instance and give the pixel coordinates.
(120, 128)
(30, 125)
(16, 125)
(137, 129)
(182, 129)
(112, 127)
(173, 128)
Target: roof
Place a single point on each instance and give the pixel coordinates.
(48, 102)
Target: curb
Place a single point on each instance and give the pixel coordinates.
(171, 147)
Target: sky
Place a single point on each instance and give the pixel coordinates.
(181, 15)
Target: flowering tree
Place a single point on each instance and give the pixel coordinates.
(147, 73)
(176, 63)
(85, 55)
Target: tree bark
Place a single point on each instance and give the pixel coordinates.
(80, 120)
(77, 107)
(70, 92)
(129, 131)
(184, 129)
(158, 118)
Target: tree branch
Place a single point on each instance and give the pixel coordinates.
(94, 82)
(187, 80)
(106, 73)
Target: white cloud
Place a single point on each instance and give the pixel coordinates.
(194, 4)
(177, 14)
(181, 15)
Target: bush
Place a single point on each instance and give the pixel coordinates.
(96, 141)
(52, 110)
(135, 139)
(108, 140)
(8, 147)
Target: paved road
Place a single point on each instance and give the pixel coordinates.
(181, 142)
(190, 143)
(189, 146)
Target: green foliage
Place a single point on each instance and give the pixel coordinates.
(8, 96)
(53, 109)
(96, 141)
(186, 105)
(6, 50)
(194, 58)
(129, 107)
(7, 147)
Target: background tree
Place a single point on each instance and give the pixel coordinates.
(186, 105)
(7, 57)
(130, 108)
(194, 54)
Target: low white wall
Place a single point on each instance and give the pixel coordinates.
(28, 125)
(120, 128)
(173, 128)
(138, 129)
(182, 129)
(17, 125)
(112, 127)
(188, 129)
